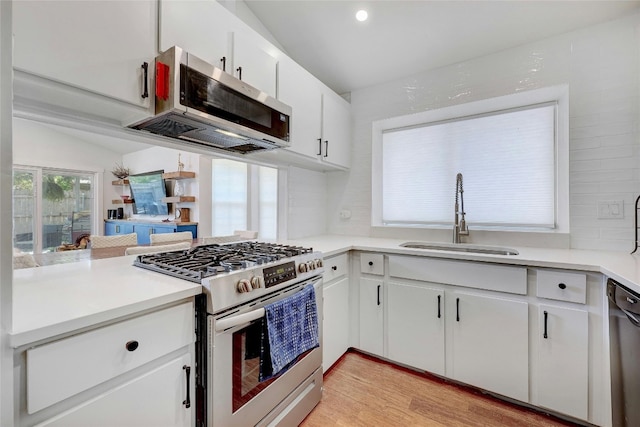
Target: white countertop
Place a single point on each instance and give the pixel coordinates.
(620, 266)
(61, 298)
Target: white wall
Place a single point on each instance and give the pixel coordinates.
(600, 65)
(307, 203)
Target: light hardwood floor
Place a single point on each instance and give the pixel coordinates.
(362, 391)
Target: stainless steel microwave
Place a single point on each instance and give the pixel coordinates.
(200, 104)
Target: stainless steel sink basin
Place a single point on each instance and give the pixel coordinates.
(460, 247)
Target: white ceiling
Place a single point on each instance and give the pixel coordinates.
(401, 38)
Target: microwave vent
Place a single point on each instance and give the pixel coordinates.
(169, 127)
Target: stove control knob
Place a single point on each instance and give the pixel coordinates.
(243, 286)
(257, 282)
(311, 265)
(318, 262)
(302, 268)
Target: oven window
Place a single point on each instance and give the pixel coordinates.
(247, 344)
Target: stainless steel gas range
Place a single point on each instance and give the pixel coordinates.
(241, 281)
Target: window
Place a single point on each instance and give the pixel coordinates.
(50, 207)
(508, 158)
(245, 197)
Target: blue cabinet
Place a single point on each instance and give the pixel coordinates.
(145, 229)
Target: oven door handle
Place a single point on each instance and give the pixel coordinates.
(233, 321)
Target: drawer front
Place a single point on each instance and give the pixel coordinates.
(476, 275)
(372, 264)
(562, 286)
(69, 366)
(335, 267)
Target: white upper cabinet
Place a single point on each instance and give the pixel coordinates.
(252, 64)
(98, 46)
(209, 31)
(200, 27)
(300, 90)
(336, 130)
(321, 119)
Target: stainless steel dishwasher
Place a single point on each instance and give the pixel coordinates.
(624, 331)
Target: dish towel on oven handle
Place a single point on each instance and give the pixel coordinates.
(291, 329)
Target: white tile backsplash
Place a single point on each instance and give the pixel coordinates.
(601, 66)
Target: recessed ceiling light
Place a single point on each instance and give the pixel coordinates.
(362, 15)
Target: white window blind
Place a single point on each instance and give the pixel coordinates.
(507, 160)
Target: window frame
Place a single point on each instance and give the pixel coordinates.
(555, 94)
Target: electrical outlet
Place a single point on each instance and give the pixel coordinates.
(345, 214)
(611, 209)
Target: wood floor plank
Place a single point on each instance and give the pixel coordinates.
(363, 391)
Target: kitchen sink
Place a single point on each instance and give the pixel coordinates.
(460, 247)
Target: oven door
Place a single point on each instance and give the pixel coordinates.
(236, 396)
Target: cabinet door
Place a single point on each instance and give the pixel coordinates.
(335, 322)
(153, 399)
(98, 46)
(371, 316)
(336, 130)
(143, 231)
(490, 343)
(199, 27)
(114, 228)
(258, 67)
(563, 368)
(163, 229)
(415, 326)
(300, 90)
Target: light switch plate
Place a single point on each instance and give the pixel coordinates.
(611, 209)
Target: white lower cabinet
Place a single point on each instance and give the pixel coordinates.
(415, 326)
(371, 316)
(562, 381)
(153, 399)
(489, 343)
(139, 371)
(335, 323)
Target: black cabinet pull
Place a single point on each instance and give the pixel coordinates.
(145, 80)
(132, 345)
(562, 286)
(239, 70)
(334, 268)
(319, 146)
(370, 262)
(187, 401)
(326, 149)
(224, 63)
(457, 309)
(438, 306)
(378, 294)
(546, 316)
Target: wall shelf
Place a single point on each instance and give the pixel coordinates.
(179, 199)
(179, 175)
(120, 182)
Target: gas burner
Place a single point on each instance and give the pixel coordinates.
(204, 261)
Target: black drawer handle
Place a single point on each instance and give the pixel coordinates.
(370, 262)
(239, 70)
(562, 286)
(438, 306)
(378, 294)
(334, 268)
(457, 309)
(319, 146)
(187, 401)
(132, 345)
(546, 316)
(326, 148)
(224, 63)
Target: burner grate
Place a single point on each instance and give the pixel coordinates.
(204, 261)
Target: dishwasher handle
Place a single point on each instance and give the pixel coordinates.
(626, 300)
